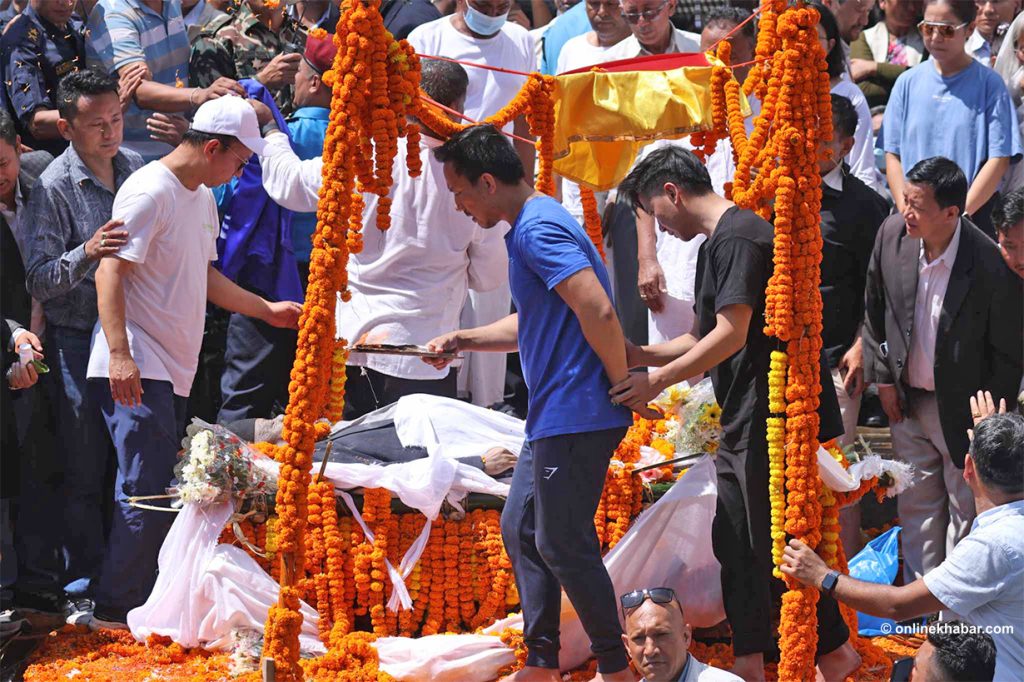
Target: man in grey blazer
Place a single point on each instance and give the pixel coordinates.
(943, 321)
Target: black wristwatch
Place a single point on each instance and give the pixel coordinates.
(829, 582)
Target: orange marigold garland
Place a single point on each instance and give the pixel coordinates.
(592, 219)
(371, 79)
(777, 173)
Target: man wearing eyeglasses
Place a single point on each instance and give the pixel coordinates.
(151, 295)
(653, 32)
(658, 639)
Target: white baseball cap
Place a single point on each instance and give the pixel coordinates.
(230, 115)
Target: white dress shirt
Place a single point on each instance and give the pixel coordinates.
(932, 280)
(630, 47)
(289, 181)
(410, 282)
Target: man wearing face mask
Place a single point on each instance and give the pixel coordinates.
(478, 32)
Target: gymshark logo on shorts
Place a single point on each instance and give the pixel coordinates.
(549, 472)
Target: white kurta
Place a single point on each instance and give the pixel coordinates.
(482, 375)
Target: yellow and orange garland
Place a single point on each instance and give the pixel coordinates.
(777, 174)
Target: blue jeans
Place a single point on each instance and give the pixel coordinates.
(82, 435)
(548, 529)
(147, 439)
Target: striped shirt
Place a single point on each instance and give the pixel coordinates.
(121, 32)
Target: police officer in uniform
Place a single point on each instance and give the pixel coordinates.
(39, 47)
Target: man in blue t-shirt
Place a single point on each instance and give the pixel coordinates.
(572, 351)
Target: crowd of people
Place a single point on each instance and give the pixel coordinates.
(160, 165)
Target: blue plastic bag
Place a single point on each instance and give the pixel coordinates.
(877, 563)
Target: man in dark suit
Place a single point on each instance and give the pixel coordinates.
(28, 458)
(943, 320)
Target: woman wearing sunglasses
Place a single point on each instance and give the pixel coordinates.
(952, 106)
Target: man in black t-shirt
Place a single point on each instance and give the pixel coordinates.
(728, 342)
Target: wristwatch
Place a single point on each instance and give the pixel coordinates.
(829, 582)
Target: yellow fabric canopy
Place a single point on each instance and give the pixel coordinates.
(605, 114)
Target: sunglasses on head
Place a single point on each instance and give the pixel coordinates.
(930, 28)
(647, 14)
(658, 595)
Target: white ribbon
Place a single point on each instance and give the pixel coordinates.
(397, 579)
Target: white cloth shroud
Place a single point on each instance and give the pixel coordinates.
(205, 590)
(668, 545)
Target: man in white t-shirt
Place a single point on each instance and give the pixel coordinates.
(152, 298)
(478, 32)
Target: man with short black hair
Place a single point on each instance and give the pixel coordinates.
(72, 232)
(722, 21)
(980, 580)
(1008, 219)
(955, 652)
(572, 351)
(658, 637)
(728, 342)
(937, 327)
(152, 298)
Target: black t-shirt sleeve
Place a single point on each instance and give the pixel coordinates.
(741, 270)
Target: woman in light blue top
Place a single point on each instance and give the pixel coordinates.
(952, 106)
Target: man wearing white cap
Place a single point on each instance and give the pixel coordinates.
(152, 297)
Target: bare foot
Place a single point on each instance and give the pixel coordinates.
(749, 667)
(839, 664)
(534, 674)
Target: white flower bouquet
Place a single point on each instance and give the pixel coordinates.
(216, 465)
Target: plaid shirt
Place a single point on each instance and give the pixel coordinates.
(121, 32)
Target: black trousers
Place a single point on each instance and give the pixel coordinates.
(548, 529)
(367, 390)
(741, 538)
(258, 359)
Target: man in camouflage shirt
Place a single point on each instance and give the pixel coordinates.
(254, 41)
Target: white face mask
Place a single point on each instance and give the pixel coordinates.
(483, 24)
